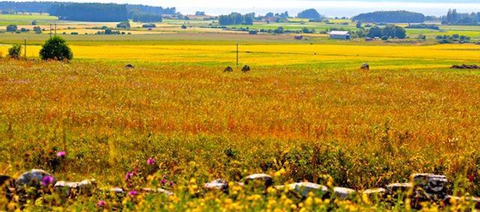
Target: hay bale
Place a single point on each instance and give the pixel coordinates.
(246, 69)
(365, 66)
(228, 69)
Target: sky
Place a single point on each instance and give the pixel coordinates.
(329, 8)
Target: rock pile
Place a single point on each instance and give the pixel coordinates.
(465, 67)
(422, 188)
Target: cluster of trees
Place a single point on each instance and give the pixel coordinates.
(124, 25)
(98, 12)
(274, 17)
(423, 26)
(137, 8)
(311, 14)
(456, 38)
(455, 18)
(389, 31)
(95, 12)
(147, 17)
(34, 6)
(390, 17)
(199, 13)
(12, 28)
(236, 19)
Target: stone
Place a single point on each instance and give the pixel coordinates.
(265, 178)
(73, 189)
(158, 191)
(218, 184)
(375, 191)
(396, 189)
(305, 188)
(432, 184)
(246, 69)
(343, 193)
(129, 66)
(228, 69)
(35, 178)
(365, 66)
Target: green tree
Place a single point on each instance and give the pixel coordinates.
(15, 51)
(56, 48)
(12, 28)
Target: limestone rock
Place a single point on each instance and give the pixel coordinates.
(305, 188)
(265, 178)
(218, 184)
(343, 193)
(431, 184)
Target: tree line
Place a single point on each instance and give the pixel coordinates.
(389, 31)
(89, 11)
(390, 17)
(455, 18)
(147, 17)
(236, 19)
(92, 12)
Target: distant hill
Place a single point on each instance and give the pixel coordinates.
(391, 17)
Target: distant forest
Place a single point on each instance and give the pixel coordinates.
(455, 18)
(89, 11)
(391, 17)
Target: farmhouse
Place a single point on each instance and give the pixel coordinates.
(341, 35)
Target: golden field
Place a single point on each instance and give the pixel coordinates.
(305, 112)
(296, 115)
(381, 57)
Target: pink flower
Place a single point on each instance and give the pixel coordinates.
(151, 161)
(47, 180)
(101, 203)
(61, 154)
(133, 193)
(128, 176)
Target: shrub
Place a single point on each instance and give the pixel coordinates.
(56, 48)
(12, 28)
(15, 51)
(37, 29)
(384, 38)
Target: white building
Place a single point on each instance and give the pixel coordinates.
(341, 35)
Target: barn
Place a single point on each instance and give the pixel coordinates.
(340, 35)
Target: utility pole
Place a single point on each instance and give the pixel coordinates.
(55, 28)
(237, 55)
(25, 39)
(50, 30)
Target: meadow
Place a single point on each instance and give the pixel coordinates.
(305, 112)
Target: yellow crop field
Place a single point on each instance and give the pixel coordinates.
(265, 55)
(303, 111)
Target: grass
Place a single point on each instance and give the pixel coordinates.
(304, 112)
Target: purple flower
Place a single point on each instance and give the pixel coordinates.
(101, 203)
(128, 176)
(61, 154)
(164, 181)
(151, 161)
(133, 193)
(47, 180)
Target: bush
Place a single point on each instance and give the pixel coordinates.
(384, 38)
(12, 28)
(124, 25)
(15, 51)
(56, 48)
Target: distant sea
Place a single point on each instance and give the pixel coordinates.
(327, 8)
